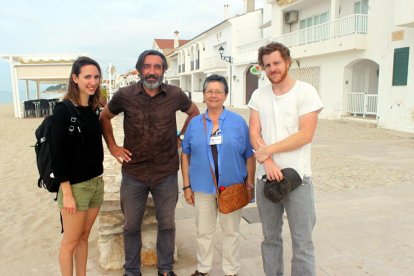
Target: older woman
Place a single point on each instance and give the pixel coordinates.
(218, 138)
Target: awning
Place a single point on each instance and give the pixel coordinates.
(41, 69)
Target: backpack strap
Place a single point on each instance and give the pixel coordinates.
(74, 116)
(72, 108)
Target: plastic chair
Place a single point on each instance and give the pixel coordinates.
(44, 107)
(29, 108)
(52, 104)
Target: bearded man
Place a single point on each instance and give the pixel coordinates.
(149, 156)
(283, 119)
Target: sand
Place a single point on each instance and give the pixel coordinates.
(30, 218)
(30, 221)
(346, 156)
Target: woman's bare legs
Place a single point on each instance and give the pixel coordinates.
(77, 228)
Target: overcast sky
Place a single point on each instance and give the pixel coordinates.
(111, 31)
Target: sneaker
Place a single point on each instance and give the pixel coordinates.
(196, 273)
(171, 273)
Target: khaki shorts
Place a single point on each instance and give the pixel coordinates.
(87, 194)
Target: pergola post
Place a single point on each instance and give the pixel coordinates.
(27, 90)
(16, 93)
(13, 83)
(38, 89)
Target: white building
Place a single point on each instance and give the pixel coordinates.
(191, 63)
(356, 54)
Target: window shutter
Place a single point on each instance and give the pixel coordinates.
(400, 68)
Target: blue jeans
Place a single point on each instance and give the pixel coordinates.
(134, 196)
(300, 211)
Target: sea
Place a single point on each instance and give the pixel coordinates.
(6, 94)
(6, 97)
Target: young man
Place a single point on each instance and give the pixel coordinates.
(149, 156)
(283, 119)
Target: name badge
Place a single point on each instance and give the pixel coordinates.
(216, 140)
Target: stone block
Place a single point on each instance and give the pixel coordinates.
(110, 223)
(111, 252)
(148, 257)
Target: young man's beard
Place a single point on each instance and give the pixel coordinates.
(281, 78)
(151, 85)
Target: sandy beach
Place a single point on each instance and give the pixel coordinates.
(30, 221)
(30, 218)
(342, 163)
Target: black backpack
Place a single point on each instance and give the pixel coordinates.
(44, 146)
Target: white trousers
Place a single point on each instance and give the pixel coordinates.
(206, 213)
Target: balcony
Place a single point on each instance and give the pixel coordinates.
(344, 34)
(172, 72)
(248, 52)
(215, 63)
(350, 25)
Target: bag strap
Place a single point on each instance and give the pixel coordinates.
(74, 114)
(211, 169)
(71, 107)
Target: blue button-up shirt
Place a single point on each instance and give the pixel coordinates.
(233, 152)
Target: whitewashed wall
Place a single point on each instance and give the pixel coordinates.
(395, 103)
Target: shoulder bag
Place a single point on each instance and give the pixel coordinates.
(231, 198)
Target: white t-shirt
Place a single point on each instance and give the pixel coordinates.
(279, 118)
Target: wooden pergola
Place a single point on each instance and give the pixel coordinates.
(40, 69)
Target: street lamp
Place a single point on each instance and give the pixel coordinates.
(229, 60)
(226, 58)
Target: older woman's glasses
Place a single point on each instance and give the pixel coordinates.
(210, 92)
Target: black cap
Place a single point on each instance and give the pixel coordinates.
(277, 191)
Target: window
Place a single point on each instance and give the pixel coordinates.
(361, 7)
(313, 20)
(400, 67)
(316, 33)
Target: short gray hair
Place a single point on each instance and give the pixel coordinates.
(216, 78)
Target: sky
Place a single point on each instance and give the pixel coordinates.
(110, 31)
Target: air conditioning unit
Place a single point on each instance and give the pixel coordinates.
(291, 17)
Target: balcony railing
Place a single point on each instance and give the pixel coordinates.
(172, 72)
(214, 62)
(252, 46)
(353, 24)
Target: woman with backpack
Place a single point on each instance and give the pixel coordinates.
(77, 163)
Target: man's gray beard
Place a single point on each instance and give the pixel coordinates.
(150, 85)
